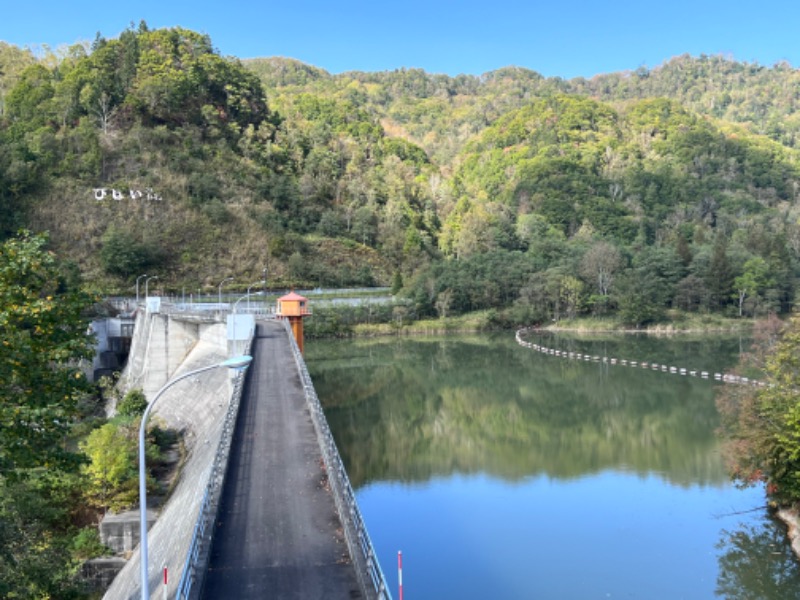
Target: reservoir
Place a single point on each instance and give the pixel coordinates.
(500, 472)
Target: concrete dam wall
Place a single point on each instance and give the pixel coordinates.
(164, 347)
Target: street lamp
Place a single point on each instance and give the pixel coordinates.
(250, 287)
(237, 362)
(137, 287)
(219, 291)
(264, 273)
(147, 284)
(236, 304)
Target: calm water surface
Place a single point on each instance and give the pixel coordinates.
(503, 473)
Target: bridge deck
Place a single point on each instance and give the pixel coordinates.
(278, 534)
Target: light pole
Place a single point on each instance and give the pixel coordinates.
(250, 287)
(137, 287)
(219, 291)
(264, 273)
(146, 286)
(233, 311)
(237, 362)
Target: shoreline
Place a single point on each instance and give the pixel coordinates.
(791, 518)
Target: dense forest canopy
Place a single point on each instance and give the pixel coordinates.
(633, 193)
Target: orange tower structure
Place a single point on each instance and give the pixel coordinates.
(294, 307)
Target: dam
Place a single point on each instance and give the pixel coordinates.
(262, 506)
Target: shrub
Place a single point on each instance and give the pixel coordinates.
(133, 404)
(87, 544)
(124, 255)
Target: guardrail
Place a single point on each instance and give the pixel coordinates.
(362, 553)
(194, 568)
(209, 310)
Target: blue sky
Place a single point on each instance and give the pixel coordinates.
(568, 38)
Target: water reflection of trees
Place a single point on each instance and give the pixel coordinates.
(414, 409)
(755, 562)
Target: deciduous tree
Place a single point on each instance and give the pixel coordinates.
(599, 266)
(42, 338)
(761, 426)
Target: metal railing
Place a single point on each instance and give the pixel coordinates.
(209, 310)
(362, 553)
(194, 568)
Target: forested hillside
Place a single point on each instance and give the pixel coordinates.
(630, 193)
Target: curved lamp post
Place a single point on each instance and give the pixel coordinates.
(236, 304)
(137, 287)
(147, 285)
(236, 362)
(250, 287)
(219, 291)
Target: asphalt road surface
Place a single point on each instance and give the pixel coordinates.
(278, 534)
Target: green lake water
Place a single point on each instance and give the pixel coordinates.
(503, 473)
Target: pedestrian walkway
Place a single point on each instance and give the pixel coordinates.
(278, 534)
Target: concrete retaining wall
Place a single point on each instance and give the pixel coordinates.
(98, 573)
(120, 531)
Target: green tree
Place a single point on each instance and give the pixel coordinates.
(112, 465)
(397, 283)
(133, 404)
(639, 296)
(13, 61)
(112, 468)
(719, 275)
(27, 99)
(42, 338)
(124, 254)
(37, 559)
(761, 426)
(752, 281)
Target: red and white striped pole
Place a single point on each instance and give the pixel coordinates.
(400, 572)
